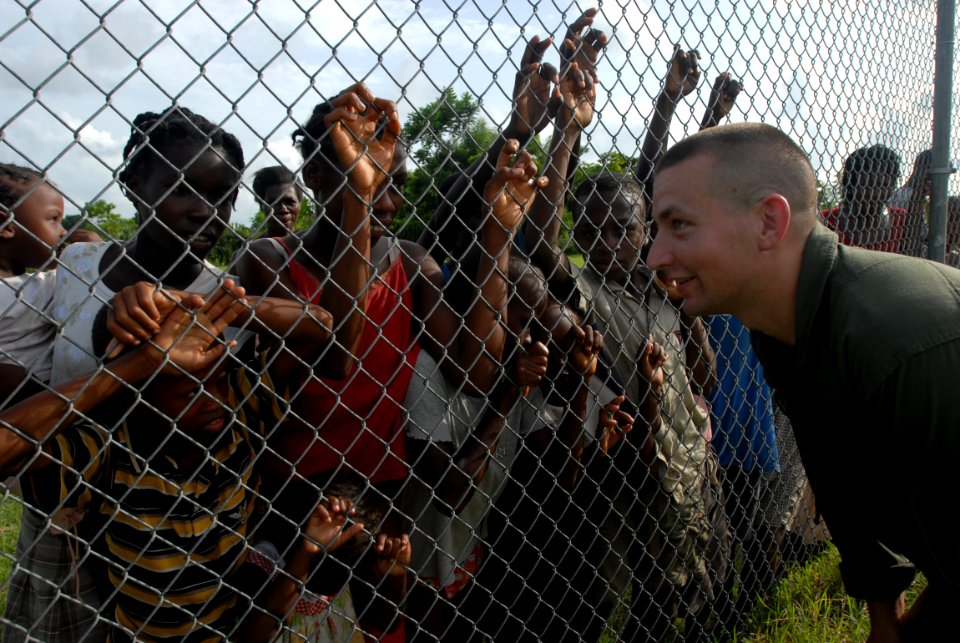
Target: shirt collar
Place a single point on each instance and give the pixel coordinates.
(819, 257)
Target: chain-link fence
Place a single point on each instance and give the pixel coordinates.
(451, 401)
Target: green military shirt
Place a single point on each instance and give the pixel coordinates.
(871, 387)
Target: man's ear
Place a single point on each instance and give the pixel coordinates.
(775, 217)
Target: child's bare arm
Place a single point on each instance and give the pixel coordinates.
(469, 348)
(454, 474)
(650, 362)
(531, 96)
(683, 76)
(187, 341)
(327, 529)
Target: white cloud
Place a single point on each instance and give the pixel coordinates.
(834, 75)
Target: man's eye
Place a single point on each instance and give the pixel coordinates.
(678, 224)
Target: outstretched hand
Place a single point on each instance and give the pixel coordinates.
(582, 48)
(532, 90)
(327, 528)
(574, 99)
(364, 131)
(510, 190)
(683, 74)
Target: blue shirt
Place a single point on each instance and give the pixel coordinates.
(743, 430)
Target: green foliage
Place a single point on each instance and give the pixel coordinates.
(231, 241)
(614, 162)
(109, 223)
(445, 137)
(828, 194)
(10, 510)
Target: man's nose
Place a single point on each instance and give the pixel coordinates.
(658, 257)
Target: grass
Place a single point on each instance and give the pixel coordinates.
(10, 510)
(809, 604)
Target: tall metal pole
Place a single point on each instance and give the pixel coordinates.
(942, 104)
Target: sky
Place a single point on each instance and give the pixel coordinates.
(73, 75)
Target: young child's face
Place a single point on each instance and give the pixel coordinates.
(199, 406)
(610, 235)
(40, 221)
(191, 212)
(281, 204)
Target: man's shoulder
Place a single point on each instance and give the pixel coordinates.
(887, 308)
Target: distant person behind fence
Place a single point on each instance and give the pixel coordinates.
(863, 218)
(279, 196)
(912, 199)
(31, 227)
(855, 345)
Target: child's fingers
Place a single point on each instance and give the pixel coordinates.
(506, 152)
(234, 310)
(351, 532)
(538, 350)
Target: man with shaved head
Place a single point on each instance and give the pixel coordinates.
(855, 344)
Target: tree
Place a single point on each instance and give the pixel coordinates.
(109, 223)
(444, 138)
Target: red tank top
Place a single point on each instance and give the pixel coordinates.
(357, 421)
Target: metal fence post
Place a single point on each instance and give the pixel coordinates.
(942, 112)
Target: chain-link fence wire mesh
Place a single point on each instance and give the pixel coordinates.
(447, 389)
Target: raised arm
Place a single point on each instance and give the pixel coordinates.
(683, 76)
(573, 110)
(469, 347)
(366, 160)
(446, 230)
(455, 473)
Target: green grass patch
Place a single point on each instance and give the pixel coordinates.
(10, 510)
(811, 605)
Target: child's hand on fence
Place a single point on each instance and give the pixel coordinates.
(723, 95)
(613, 425)
(683, 75)
(188, 340)
(582, 49)
(327, 528)
(650, 362)
(138, 311)
(393, 554)
(575, 98)
(365, 152)
(532, 90)
(584, 354)
(530, 366)
(510, 190)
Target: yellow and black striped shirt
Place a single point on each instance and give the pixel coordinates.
(173, 538)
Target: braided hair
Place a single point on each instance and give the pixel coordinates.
(151, 131)
(16, 182)
(311, 136)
